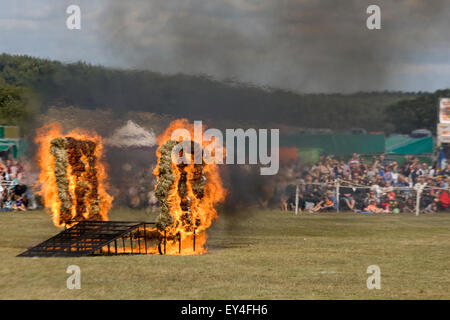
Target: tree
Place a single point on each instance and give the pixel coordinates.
(194, 96)
(418, 113)
(16, 105)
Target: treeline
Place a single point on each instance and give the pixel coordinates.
(201, 98)
(17, 105)
(421, 112)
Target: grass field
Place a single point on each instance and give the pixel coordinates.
(252, 255)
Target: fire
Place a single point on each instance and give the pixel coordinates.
(72, 178)
(73, 186)
(192, 208)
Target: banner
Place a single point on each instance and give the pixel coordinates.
(443, 133)
(442, 160)
(444, 110)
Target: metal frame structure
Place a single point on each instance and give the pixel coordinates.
(89, 238)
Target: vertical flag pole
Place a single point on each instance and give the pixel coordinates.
(337, 194)
(419, 193)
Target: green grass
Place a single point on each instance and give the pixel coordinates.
(252, 255)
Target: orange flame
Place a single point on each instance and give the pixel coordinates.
(47, 179)
(201, 210)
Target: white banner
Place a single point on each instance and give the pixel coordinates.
(443, 132)
(444, 110)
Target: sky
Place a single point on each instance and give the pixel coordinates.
(301, 45)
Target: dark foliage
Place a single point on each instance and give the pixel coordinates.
(421, 112)
(202, 98)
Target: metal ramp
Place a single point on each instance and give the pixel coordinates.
(87, 238)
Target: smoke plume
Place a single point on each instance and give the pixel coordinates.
(304, 45)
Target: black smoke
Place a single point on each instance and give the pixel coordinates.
(304, 45)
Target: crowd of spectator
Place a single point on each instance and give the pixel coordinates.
(135, 187)
(15, 190)
(360, 184)
(370, 186)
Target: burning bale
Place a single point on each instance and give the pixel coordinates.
(72, 178)
(187, 191)
(166, 179)
(69, 154)
(73, 186)
(58, 149)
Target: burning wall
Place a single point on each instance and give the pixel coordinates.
(72, 177)
(73, 186)
(188, 193)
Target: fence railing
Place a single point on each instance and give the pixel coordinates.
(416, 199)
(7, 183)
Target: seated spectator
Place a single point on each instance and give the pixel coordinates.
(409, 206)
(391, 196)
(323, 205)
(372, 207)
(333, 199)
(359, 194)
(19, 203)
(312, 193)
(431, 208)
(444, 200)
(347, 198)
(389, 201)
(8, 205)
(371, 197)
(291, 202)
(283, 203)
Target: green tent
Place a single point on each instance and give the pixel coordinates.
(17, 146)
(399, 144)
(337, 144)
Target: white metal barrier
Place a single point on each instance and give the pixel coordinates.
(416, 192)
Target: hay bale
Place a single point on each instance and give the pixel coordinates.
(80, 156)
(58, 148)
(166, 180)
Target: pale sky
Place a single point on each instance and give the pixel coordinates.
(303, 45)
